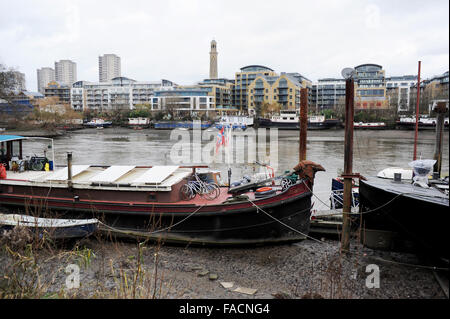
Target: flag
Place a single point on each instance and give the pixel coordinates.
(220, 139)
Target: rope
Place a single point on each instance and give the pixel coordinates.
(366, 212)
(153, 232)
(405, 264)
(279, 221)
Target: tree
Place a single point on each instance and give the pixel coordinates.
(8, 84)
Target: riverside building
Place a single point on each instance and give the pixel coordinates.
(120, 93)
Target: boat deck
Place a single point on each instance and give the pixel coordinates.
(409, 190)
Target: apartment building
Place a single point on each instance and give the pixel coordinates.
(398, 91)
(59, 90)
(109, 67)
(45, 75)
(66, 72)
(118, 93)
(282, 89)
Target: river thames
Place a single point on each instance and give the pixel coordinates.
(372, 151)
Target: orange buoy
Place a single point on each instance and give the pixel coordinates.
(264, 189)
(2, 171)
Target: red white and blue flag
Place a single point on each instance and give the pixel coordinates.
(221, 140)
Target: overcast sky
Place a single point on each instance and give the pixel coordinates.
(171, 39)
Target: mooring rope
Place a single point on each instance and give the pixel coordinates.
(359, 213)
(132, 232)
(279, 221)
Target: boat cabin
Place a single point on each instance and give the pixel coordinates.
(13, 158)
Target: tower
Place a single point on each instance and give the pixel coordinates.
(213, 60)
(108, 67)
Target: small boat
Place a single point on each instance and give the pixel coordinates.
(95, 123)
(53, 227)
(369, 126)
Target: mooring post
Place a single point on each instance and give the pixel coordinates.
(348, 163)
(69, 169)
(440, 109)
(303, 121)
(417, 114)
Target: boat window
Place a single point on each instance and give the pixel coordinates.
(292, 118)
(15, 149)
(284, 118)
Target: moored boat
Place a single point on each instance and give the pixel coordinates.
(54, 228)
(185, 204)
(399, 214)
(369, 126)
(289, 120)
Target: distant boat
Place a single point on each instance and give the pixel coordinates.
(289, 120)
(425, 122)
(53, 227)
(235, 122)
(139, 123)
(170, 125)
(369, 126)
(98, 123)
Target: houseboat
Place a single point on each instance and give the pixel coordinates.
(94, 123)
(178, 204)
(369, 126)
(289, 120)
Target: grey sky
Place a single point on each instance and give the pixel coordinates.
(171, 39)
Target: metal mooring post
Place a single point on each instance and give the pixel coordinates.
(348, 163)
(303, 119)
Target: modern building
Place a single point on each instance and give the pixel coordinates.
(398, 91)
(281, 89)
(327, 93)
(45, 75)
(183, 100)
(243, 79)
(108, 67)
(213, 74)
(58, 89)
(370, 87)
(118, 93)
(434, 88)
(66, 72)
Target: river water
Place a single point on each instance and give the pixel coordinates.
(372, 151)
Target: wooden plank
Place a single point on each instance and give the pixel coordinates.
(111, 174)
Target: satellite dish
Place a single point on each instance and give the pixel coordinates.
(347, 73)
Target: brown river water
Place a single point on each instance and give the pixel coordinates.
(372, 151)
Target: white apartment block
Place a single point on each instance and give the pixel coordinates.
(44, 77)
(118, 93)
(191, 100)
(108, 67)
(66, 72)
(403, 84)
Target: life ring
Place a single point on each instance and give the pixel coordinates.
(264, 191)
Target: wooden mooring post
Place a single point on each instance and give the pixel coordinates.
(303, 122)
(348, 163)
